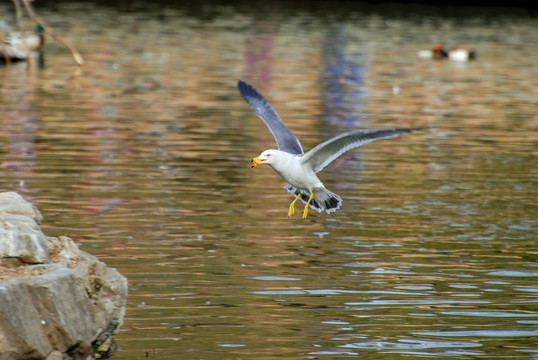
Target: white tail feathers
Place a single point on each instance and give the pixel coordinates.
(323, 200)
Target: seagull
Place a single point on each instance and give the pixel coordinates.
(299, 169)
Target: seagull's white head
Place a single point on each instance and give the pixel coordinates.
(265, 157)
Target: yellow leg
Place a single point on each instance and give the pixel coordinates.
(292, 205)
(305, 212)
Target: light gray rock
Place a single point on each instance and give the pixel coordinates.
(20, 235)
(56, 301)
(13, 203)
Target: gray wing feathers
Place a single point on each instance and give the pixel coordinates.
(285, 139)
(323, 154)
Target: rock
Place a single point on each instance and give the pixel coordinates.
(13, 203)
(56, 301)
(20, 235)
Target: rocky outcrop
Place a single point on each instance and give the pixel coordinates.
(56, 301)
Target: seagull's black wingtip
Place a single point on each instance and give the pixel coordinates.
(244, 88)
(407, 130)
(247, 91)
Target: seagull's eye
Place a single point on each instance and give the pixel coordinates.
(268, 155)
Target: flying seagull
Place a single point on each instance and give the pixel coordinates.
(296, 167)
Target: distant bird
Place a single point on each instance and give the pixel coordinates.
(296, 167)
(455, 54)
(437, 52)
(18, 45)
(461, 54)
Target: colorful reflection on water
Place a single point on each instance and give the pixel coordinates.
(142, 156)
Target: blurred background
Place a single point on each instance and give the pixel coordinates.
(141, 155)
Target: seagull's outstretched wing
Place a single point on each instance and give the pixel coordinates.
(323, 154)
(285, 139)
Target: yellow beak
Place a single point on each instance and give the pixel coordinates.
(255, 162)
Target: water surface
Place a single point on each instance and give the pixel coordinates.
(142, 155)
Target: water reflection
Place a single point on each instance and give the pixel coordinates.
(343, 79)
(141, 155)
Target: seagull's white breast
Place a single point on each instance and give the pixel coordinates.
(291, 169)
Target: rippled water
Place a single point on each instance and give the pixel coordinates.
(142, 155)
